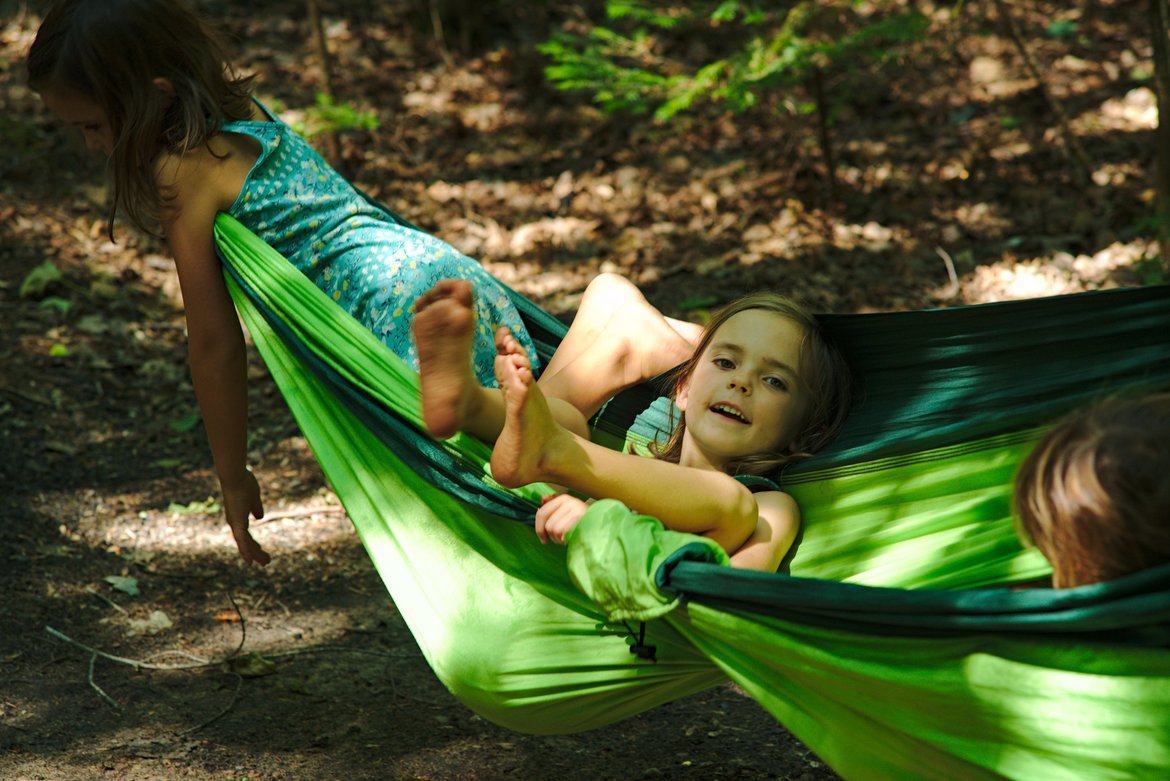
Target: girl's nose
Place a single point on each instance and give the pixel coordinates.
(740, 385)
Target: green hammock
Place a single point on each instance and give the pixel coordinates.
(890, 646)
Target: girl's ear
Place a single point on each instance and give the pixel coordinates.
(681, 394)
(166, 87)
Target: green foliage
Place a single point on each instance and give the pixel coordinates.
(640, 61)
(62, 305)
(697, 302)
(1151, 269)
(185, 424)
(326, 116)
(209, 506)
(39, 280)
(1062, 28)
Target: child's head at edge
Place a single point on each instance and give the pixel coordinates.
(822, 368)
(155, 71)
(1094, 494)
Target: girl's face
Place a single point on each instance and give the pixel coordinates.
(745, 396)
(76, 109)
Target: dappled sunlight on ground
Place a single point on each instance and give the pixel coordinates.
(199, 528)
(1059, 274)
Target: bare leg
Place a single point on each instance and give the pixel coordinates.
(452, 399)
(616, 340)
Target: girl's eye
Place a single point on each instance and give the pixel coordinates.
(724, 363)
(776, 382)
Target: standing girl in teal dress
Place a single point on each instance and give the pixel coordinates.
(147, 84)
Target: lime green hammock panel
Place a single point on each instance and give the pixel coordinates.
(878, 649)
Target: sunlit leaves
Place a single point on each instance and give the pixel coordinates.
(641, 64)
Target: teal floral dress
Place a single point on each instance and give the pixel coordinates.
(354, 250)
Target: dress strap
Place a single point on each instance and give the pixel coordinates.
(756, 484)
(266, 111)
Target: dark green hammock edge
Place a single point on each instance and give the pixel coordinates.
(912, 670)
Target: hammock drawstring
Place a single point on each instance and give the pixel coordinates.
(638, 647)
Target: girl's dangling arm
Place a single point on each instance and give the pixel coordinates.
(215, 344)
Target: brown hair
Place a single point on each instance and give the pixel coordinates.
(111, 51)
(1094, 495)
(822, 368)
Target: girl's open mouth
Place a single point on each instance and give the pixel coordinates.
(729, 412)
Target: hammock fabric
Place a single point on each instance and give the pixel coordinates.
(891, 645)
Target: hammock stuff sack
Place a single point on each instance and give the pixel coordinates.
(891, 644)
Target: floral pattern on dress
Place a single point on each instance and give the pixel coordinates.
(353, 250)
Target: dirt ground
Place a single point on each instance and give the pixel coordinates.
(952, 187)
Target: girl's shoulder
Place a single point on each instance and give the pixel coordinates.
(212, 172)
(777, 508)
(777, 499)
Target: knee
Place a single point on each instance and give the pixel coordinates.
(608, 284)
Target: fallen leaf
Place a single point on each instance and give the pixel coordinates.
(124, 584)
(251, 666)
(65, 448)
(156, 622)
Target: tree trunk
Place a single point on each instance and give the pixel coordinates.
(329, 137)
(1160, 26)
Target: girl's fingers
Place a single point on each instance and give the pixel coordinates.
(557, 514)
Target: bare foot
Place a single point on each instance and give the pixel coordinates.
(530, 432)
(443, 329)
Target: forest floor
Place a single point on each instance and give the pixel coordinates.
(952, 186)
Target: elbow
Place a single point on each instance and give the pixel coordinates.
(215, 349)
(739, 520)
(211, 338)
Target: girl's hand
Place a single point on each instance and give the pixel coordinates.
(557, 514)
(240, 502)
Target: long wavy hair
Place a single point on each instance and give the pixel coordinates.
(1094, 495)
(822, 368)
(111, 52)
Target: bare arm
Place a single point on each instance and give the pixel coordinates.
(215, 346)
(774, 533)
(686, 499)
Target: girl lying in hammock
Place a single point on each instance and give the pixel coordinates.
(762, 387)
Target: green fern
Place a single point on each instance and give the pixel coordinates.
(629, 66)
